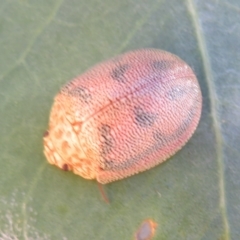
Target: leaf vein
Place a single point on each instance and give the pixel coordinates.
(34, 39)
(214, 106)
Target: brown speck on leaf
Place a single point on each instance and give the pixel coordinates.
(146, 231)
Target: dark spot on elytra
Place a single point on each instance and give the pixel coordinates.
(159, 137)
(67, 87)
(65, 167)
(106, 139)
(175, 93)
(118, 72)
(81, 93)
(143, 118)
(185, 124)
(109, 164)
(162, 65)
(162, 139)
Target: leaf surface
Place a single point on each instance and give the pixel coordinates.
(43, 44)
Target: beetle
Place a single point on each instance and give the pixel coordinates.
(123, 116)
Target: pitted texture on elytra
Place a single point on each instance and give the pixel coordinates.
(123, 116)
(106, 139)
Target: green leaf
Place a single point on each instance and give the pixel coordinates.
(43, 44)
